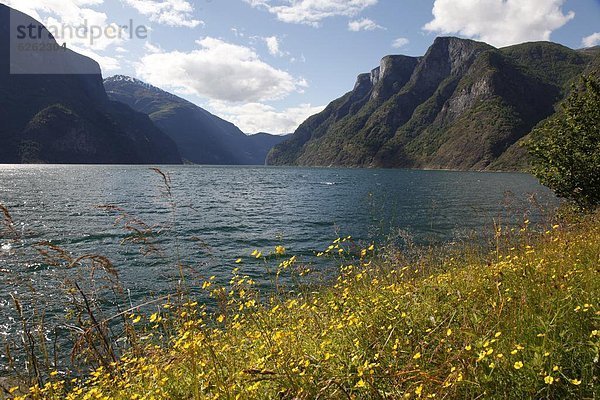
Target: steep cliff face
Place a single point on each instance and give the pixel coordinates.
(461, 106)
(483, 112)
(202, 138)
(391, 75)
(321, 140)
(67, 117)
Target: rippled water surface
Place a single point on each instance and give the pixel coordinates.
(221, 213)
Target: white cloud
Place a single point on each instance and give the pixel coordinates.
(152, 48)
(400, 42)
(311, 12)
(592, 40)
(67, 10)
(178, 13)
(273, 45)
(259, 117)
(499, 22)
(220, 71)
(301, 59)
(364, 24)
(238, 32)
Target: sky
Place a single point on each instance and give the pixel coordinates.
(266, 65)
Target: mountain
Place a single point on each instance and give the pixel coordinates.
(263, 143)
(64, 114)
(463, 105)
(202, 138)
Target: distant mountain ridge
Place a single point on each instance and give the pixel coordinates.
(202, 138)
(463, 105)
(68, 118)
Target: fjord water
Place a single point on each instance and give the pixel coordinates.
(220, 214)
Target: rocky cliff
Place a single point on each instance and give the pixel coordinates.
(463, 105)
(65, 116)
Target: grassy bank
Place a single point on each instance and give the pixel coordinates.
(520, 322)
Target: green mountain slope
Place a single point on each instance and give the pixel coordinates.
(464, 105)
(202, 138)
(67, 117)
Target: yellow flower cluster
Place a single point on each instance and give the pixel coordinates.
(441, 326)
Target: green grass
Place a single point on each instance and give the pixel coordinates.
(516, 323)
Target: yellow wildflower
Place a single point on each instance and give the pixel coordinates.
(518, 365)
(419, 390)
(360, 384)
(280, 250)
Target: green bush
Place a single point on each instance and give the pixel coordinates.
(566, 148)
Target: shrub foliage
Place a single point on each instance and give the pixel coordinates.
(566, 148)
